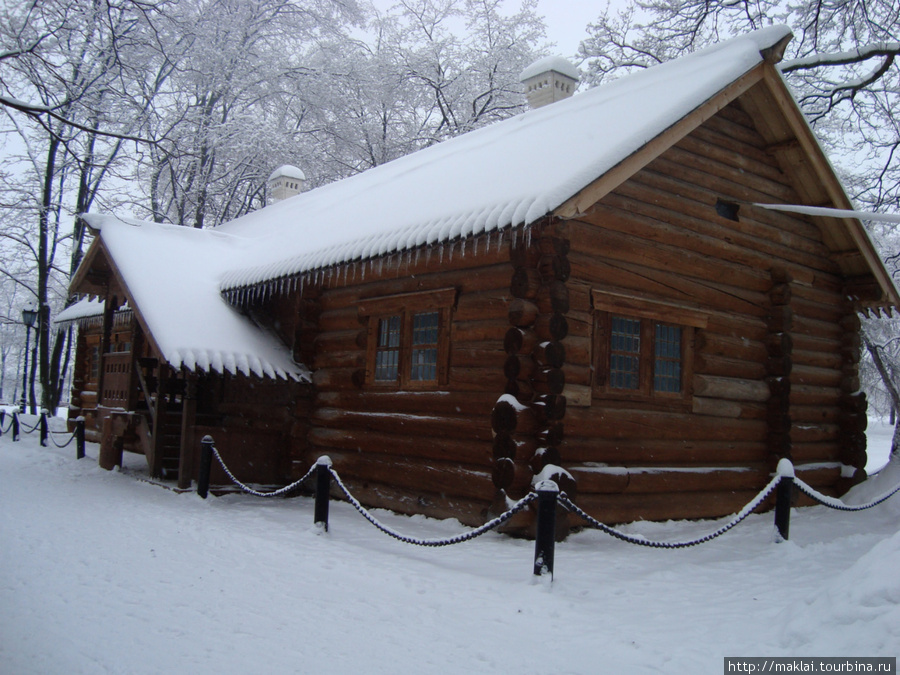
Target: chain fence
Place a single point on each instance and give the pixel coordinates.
(739, 517)
(546, 494)
(549, 500)
(17, 426)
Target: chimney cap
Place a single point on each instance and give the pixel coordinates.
(550, 63)
(287, 171)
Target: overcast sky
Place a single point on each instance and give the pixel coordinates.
(566, 21)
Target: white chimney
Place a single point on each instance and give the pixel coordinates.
(549, 80)
(285, 181)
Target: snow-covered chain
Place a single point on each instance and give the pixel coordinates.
(640, 541)
(50, 434)
(448, 541)
(257, 493)
(837, 504)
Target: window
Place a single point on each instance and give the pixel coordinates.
(409, 335)
(638, 354)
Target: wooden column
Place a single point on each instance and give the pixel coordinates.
(188, 418)
(158, 441)
(109, 312)
(853, 413)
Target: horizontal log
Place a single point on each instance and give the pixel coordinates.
(477, 355)
(730, 388)
(621, 275)
(478, 331)
(816, 377)
(577, 395)
(469, 274)
(503, 473)
(578, 350)
(578, 375)
(551, 327)
(669, 479)
(621, 235)
(550, 407)
(549, 380)
(424, 448)
(554, 268)
(711, 364)
(413, 478)
(519, 366)
(334, 359)
(477, 379)
(710, 343)
(481, 306)
(420, 426)
(507, 418)
(553, 297)
(552, 354)
(608, 425)
(717, 407)
(525, 283)
(522, 312)
(340, 341)
(675, 451)
(471, 404)
(519, 341)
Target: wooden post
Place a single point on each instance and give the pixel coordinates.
(783, 496)
(15, 426)
(2, 420)
(206, 448)
(44, 429)
(323, 488)
(545, 540)
(188, 414)
(79, 437)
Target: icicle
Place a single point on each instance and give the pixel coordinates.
(462, 247)
(528, 237)
(515, 236)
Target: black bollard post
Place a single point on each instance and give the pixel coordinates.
(323, 489)
(545, 540)
(15, 426)
(44, 429)
(79, 438)
(2, 420)
(206, 452)
(784, 493)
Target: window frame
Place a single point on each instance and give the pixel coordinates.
(406, 306)
(650, 314)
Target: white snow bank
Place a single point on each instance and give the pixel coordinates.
(102, 573)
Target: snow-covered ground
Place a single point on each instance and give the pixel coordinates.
(103, 573)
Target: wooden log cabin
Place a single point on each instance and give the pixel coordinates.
(601, 290)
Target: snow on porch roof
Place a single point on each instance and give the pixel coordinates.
(172, 279)
(508, 174)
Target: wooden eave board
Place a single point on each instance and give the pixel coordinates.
(791, 141)
(590, 195)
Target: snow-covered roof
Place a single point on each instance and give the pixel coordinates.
(86, 308)
(509, 174)
(557, 63)
(288, 171)
(190, 322)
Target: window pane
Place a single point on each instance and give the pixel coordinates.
(387, 354)
(424, 351)
(667, 361)
(625, 353)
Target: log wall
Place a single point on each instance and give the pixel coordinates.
(428, 451)
(774, 370)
